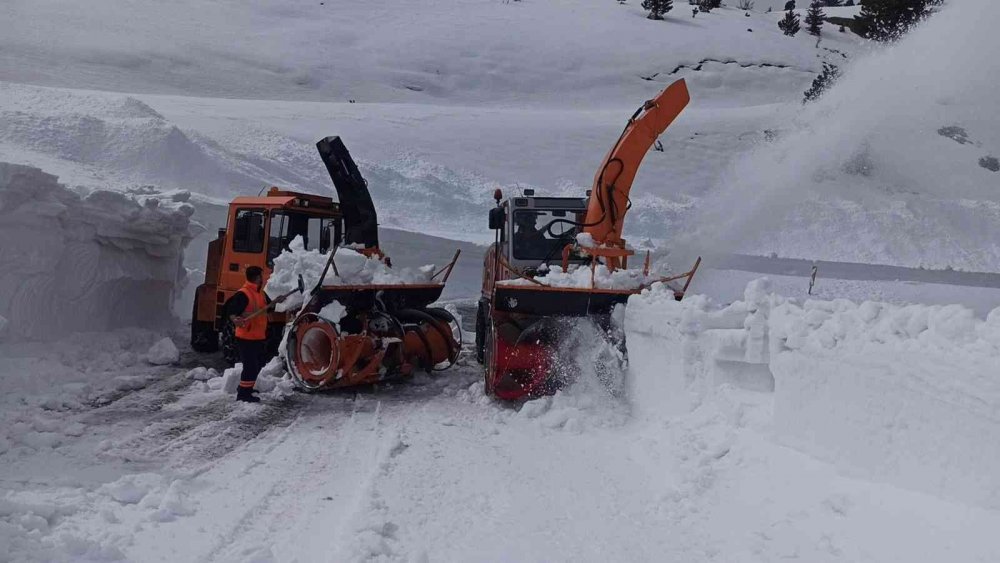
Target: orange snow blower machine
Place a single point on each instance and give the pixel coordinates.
(528, 323)
(386, 330)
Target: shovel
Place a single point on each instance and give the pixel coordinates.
(301, 288)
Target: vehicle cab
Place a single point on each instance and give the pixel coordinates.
(533, 230)
(257, 230)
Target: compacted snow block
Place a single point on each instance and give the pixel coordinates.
(906, 395)
(679, 352)
(163, 352)
(71, 263)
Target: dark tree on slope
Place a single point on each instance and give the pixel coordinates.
(814, 18)
(790, 23)
(657, 8)
(790, 5)
(833, 3)
(888, 20)
(822, 82)
(708, 5)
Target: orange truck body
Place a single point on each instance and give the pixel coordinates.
(227, 261)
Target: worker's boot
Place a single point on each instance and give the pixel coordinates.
(246, 395)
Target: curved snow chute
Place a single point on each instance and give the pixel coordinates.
(609, 199)
(360, 218)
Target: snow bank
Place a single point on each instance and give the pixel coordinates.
(354, 269)
(679, 352)
(903, 394)
(71, 263)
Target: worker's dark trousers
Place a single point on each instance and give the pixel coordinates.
(253, 354)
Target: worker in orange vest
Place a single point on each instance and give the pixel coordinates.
(251, 334)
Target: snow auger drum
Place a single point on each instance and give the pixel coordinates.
(385, 333)
(538, 337)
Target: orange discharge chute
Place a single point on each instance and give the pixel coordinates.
(609, 197)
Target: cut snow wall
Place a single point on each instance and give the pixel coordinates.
(680, 351)
(70, 263)
(908, 395)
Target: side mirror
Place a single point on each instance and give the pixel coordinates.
(496, 218)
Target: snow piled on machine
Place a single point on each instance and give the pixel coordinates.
(352, 268)
(96, 262)
(903, 394)
(577, 276)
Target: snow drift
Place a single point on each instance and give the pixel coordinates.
(901, 394)
(886, 166)
(71, 263)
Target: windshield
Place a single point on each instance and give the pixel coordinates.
(541, 234)
(317, 233)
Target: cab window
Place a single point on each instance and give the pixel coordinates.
(542, 234)
(248, 231)
(318, 233)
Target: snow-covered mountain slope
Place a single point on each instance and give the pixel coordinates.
(893, 164)
(579, 52)
(488, 107)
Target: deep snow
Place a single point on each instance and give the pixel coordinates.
(692, 465)
(71, 263)
(758, 425)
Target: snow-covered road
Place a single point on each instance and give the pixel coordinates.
(168, 468)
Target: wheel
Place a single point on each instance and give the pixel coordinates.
(204, 337)
(481, 312)
(275, 332)
(489, 353)
(228, 338)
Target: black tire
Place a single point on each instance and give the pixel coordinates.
(204, 337)
(481, 313)
(228, 338)
(489, 368)
(275, 331)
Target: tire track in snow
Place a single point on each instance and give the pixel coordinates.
(371, 534)
(320, 484)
